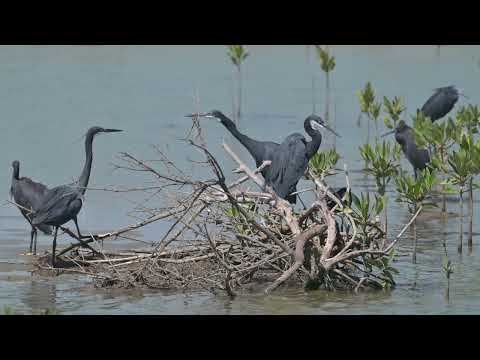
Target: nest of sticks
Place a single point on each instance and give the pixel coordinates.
(226, 237)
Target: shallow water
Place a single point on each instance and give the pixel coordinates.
(50, 95)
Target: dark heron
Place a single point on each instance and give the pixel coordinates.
(63, 203)
(419, 158)
(29, 195)
(289, 159)
(441, 102)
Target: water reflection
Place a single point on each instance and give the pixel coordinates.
(40, 295)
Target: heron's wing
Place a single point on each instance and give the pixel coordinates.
(28, 193)
(439, 105)
(424, 158)
(56, 201)
(289, 165)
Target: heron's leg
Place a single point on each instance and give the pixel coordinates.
(32, 234)
(415, 173)
(80, 238)
(35, 242)
(78, 229)
(54, 246)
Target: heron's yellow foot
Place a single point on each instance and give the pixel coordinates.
(26, 254)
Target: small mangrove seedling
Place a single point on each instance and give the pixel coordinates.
(468, 120)
(374, 112)
(363, 210)
(238, 54)
(323, 162)
(239, 222)
(327, 64)
(367, 99)
(394, 109)
(448, 269)
(384, 163)
(464, 164)
(416, 194)
(442, 136)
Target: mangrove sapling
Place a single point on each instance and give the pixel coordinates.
(327, 64)
(460, 164)
(238, 54)
(374, 113)
(465, 164)
(363, 211)
(416, 194)
(367, 104)
(384, 162)
(468, 120)
(394, 109)
(323, 163)
(442, 136)
(448, 271)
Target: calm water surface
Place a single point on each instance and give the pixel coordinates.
(50, 95)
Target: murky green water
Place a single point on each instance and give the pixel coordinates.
(50, 95)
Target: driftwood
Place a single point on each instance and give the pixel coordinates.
(225, 236)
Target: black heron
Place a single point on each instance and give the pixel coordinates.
(289, 159)
(405, 137)
(29, 195)
(441, 102)
(63, 203)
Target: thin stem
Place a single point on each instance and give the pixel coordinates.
(368, 130)
(239, 93)
(327, 100)
(470, 236)
(386, 215)
(460, 242)
(444, 197)
(414, 257)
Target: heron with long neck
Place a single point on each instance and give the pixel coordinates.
(289, 159)
(63, 203)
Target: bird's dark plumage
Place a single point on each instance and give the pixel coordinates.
(260, 150)
(441, 103)
(63, 203)
(289, 159)
(29, 195)
(419, 158)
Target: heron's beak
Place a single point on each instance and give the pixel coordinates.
(112, 130)
(204, 115)
(331, 130)
(388, 133)
(318, 126)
